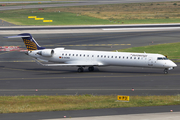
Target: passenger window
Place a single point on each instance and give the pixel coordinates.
(130, 57)
(134, 57)
(84, 55)
(62, 54)
(98, 56)
(92, 55)
(80, 55)
(104, 56)
(101, 55)
(66, 54)
(138, 58)
(69, 54)
(76, 54)
(127, 57)
(123, 57)
(73, 55)
(115, 56)
(119, 56)
(87, 55)
(111, 56)
(108, 56)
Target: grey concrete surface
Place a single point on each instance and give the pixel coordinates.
(80, 3)
(151, 116)
(21, 76)
(99, 113)
(7, 24)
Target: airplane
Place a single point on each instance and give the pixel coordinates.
(86, 58)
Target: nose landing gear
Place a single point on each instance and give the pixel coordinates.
(165, 71)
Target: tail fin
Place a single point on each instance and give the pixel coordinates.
(29, 41)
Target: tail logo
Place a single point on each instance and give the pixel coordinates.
(30, 45)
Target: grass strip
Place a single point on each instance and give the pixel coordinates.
(172, 50)
(20, 17)
(17, 104)
(127, 13)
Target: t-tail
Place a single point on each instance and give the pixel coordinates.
(29, 41)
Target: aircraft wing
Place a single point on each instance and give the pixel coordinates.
(71, 64)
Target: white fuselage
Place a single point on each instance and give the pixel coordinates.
(102, 58)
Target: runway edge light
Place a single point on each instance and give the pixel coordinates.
(122, 98)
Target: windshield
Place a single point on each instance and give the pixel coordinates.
(162, 58)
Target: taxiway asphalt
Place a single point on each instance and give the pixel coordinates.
(135, 113)
(21, 76)
(78, 3)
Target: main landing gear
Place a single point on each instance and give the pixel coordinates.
(91, 69)
(81, 69)
(166, 71)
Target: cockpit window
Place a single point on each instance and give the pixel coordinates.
(162, 58)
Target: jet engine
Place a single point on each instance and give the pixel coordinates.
(46, 52)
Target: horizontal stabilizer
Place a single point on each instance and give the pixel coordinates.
(18, 36)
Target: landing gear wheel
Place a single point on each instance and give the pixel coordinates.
(80, 69)
(165, 71)
(91, 69)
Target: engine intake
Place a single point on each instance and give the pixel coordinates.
(46, 52)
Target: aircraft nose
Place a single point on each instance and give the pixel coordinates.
(173, 64)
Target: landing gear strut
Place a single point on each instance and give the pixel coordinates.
(80, 69)
(165, 71)
(91, 69)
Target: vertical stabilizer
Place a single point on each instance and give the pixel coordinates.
(29, 41)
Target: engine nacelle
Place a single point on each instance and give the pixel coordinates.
(46, 52)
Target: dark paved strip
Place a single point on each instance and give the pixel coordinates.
(25, 78)
(19, 75)
(4, 23)
(86, 113)
(92, 27)
(93, 2)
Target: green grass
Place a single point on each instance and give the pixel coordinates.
(129, 13)
(20, 17)
(148, 21)
(16, 104)
(172, 50)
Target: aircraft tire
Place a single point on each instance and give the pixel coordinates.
(91, 69)
(80, 69)
(165, 71)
